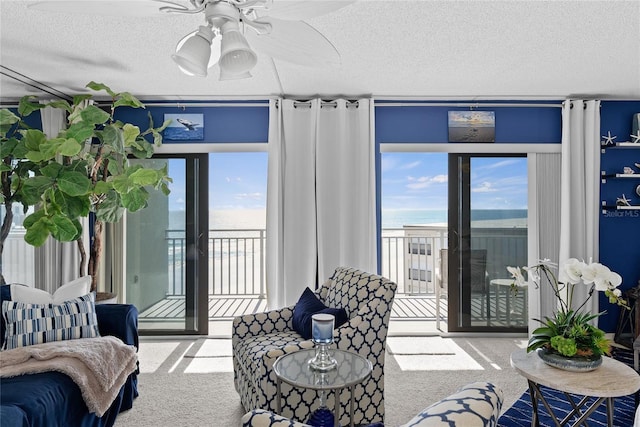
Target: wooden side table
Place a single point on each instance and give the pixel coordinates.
(612, 379)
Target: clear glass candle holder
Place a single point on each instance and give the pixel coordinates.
(322, 335)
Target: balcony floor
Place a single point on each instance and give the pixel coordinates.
(227, 307)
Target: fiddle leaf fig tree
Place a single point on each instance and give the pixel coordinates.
(85, 168)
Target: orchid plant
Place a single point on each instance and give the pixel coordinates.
(569, 332)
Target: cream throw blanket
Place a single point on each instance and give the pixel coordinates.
(99, 366)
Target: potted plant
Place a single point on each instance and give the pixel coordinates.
(568, 339)
(83, 170)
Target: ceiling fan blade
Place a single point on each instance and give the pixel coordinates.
(300, 10)
(141, 8)
(294, 41)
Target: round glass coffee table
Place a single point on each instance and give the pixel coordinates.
(294, 369)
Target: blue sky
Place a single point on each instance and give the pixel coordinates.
(409, 181)
(420, 181)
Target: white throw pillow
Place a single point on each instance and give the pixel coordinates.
(74, 289)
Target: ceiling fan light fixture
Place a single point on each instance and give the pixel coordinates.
(224, 75)
(236, 57)
(193, 52)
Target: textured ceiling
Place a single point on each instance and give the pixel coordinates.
(394, 49)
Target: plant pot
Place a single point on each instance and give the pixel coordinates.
(106, 298)
(572, 364)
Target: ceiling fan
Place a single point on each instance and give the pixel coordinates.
(231, 31)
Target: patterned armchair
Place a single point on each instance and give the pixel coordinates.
(259, 339)
(474, 405)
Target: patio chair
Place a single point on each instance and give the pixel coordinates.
(259, 339)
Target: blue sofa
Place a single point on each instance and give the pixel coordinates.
(52, 399)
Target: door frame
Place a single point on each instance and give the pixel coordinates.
(458, 236)
(196, 237)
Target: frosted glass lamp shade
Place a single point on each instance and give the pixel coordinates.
(225, 75)
(236, 57)
(193, 53)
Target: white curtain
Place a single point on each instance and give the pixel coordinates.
(321, 194)
(580, 186)
(543, 228)
(56, 262)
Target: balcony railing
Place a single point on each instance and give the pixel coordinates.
(410, 257)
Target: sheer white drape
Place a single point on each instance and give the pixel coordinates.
(580, 185)
(321, 194)
(544, 228)
(56, 262)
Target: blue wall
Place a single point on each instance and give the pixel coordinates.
(619, 230)
(221, 124)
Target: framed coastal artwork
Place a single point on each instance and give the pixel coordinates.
(184, 127)
(472, 126)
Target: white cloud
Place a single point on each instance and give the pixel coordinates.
(410, 165)
(425, 181)
(484, 187)
(251, 196)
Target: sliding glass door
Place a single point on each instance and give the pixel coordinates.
(167, 251)
(487, 233)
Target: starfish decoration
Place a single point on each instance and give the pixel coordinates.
(623, 201)
(636, 137)
(608, 140)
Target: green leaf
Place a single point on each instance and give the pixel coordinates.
(102, 187)
(110, 210)
(65, 230)
(50, 148)
(33, 138)
(80, 131)
(7, 120)
(26, 107)
(127, 100)
(20, 151)
(135, 199)
(70, 147)
(130, 133)
(165, 189)
(112, 136)
(34, 187)
(4, 167)
(52, 170)
(120, 183)
(38, 232)
(94, 115)
(32, 218)
(144, 177)
(74, 183)
(6, 148)
(73, 206)
(100, 86)
(61, 104)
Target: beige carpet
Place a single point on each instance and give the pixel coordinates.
(190, 382)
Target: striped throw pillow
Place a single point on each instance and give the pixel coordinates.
(29, 324)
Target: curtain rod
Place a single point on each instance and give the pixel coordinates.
(465, 104)
(182, 105)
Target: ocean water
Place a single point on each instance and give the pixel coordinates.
(397, 218)
(175, 133)
(391, 218)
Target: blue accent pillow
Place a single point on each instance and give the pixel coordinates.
(307, 306)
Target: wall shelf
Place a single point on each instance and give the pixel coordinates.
(626, 144)
(606, 176)
(606, 208)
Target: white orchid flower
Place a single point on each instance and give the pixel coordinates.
(516, 273)
(571, 271)
(595, 272)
